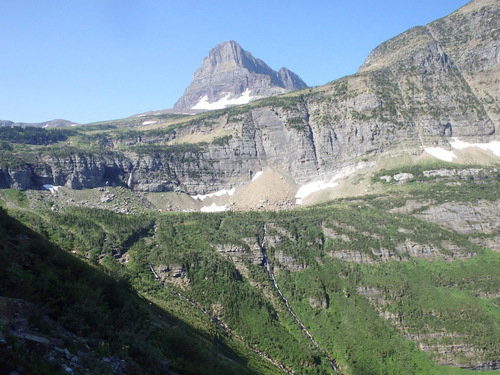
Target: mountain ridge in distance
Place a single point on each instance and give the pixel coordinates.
(56, 123)
(229, 75)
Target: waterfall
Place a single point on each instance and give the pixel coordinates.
(265, 262)
(220, 323)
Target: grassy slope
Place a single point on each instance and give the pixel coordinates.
(100, 311)
(443, 300)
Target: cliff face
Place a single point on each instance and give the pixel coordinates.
(230, 75)
(421, 89)
(467, 40)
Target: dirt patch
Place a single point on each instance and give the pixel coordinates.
(270, 190)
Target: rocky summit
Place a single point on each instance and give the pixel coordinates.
(428, 93)
(398, 276)
(229, 75)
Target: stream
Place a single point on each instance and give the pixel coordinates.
(219, 323)
(266, 264)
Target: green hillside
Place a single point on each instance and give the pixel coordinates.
(380, 288)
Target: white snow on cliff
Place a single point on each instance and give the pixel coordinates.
(219, 193)
(316, 186)
(51, 188)
(449, 155)
(441, 153)
(224, 102)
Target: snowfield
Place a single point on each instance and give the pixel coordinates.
(446, 155)
(213, 208)
(316, 186)
(312, 187)
(441, 153)
(51, 188)
(493, 146)
(219, 193)
(257, 175)
(224, 102)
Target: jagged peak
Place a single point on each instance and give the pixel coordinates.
(228, 73)
(228, 55)
(226, 51)
(290, 79)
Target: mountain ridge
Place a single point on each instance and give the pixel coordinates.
(399, 275)
(230, 71)
(415, 103)
(56, 123)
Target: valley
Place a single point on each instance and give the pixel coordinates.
(383, 269)
(348, 228)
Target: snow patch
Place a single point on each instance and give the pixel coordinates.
(219, 193)
(150, 122)
(312, 187)
(51, 188)
(493, 146)
(316, 186)
(224, 102)
(213, 208)
(440, 153)
(257, 175)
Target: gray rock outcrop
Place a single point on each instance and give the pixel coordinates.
(229, 71)
(414, 91)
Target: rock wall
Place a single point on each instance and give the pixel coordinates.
(414, 91)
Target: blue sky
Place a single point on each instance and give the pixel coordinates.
(93, 60)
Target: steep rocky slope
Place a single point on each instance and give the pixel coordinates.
(401, 281)
(417, 92)
(230, 75)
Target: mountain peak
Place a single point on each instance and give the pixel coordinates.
(229, 75)
(227, 51)
(229, 55)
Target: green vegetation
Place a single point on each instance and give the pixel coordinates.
(101, 310)
(389, 283)
(13, 197)
(34, 136)
(369, 315)
(296, 123)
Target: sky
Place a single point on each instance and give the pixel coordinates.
(96, 60)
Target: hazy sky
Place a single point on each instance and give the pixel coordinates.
(92, 60)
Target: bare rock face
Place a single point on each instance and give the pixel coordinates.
(231, 75)
(289, 262)
(482, 216)
(419, 89)
(463, 44)
(174, 274)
